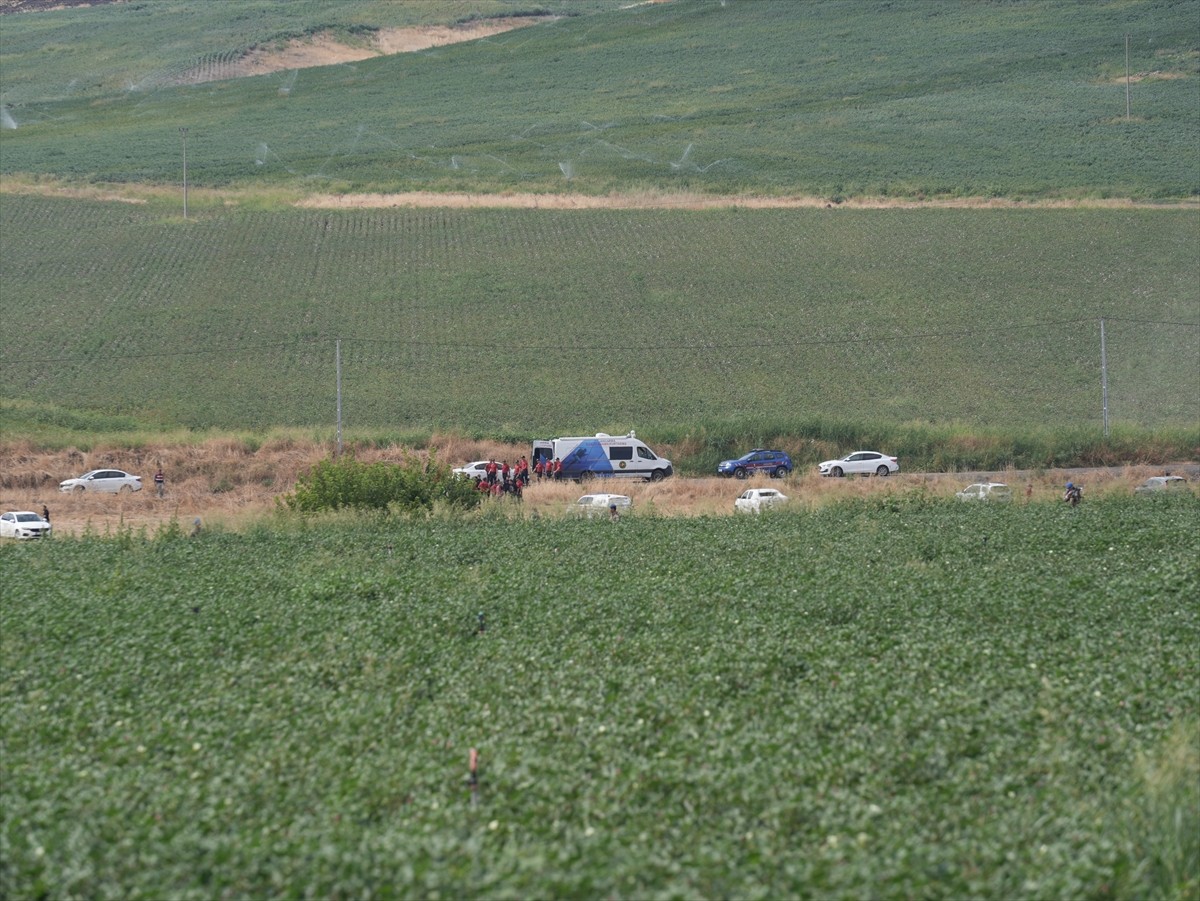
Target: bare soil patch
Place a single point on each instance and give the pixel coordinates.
(41, 6)
(644, 200)
(229, 484)
(631, 200)
(327, 50)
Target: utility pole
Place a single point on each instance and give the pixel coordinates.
(1126, 80)
(183, 132)
(1104, 376)
(338, 355)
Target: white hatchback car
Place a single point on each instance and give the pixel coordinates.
(755, 500)
(867, 462)
(985, 491)
(23, 524)
(110, 480)
(599, 505)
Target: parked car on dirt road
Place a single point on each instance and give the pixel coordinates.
(600, 505)
(1162, 485)
(23, 524)
(865, 462)
(774, 463)
(111, 481)
(755, 500)
(985, 491)
(476, 470)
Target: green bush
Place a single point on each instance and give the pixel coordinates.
(411, 486)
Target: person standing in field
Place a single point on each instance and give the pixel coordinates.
(45, 513)
(160, 482)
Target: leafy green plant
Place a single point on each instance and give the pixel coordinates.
(414, 485)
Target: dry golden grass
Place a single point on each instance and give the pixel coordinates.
(212, 198)
(234, 483)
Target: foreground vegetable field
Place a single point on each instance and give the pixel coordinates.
(896, 697)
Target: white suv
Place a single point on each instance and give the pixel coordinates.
(985, 491)
(755, 500)
(598, 504)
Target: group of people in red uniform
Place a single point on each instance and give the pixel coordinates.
(500, 478)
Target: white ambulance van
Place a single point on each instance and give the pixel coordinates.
(603, 456)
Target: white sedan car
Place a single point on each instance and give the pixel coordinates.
(866, 462)
(476, 470)
(23, 524)
(755, 500)
(109, 480)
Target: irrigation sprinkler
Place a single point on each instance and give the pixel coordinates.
(183, 133)
(1126, 77)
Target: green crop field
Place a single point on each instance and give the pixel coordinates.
(885, 697)
(833, 98)
(889, 699)
(538, 322)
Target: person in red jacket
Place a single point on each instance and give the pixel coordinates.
(557, 469)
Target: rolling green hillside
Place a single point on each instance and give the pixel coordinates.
(832, 98)
(527, 322)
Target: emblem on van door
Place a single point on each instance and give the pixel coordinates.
(622, 464)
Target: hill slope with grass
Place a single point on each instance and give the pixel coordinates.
(523, 323)
(835, 99)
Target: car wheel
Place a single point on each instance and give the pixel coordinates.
(780, 472)
(78, 489)
(882, 471)
(836, 472)
(126, 489)
(657, 476)
(740, 473)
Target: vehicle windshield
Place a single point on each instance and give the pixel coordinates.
(28, 517)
